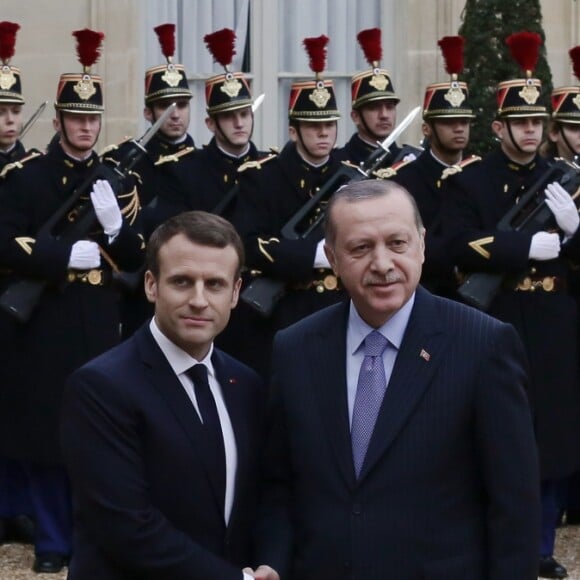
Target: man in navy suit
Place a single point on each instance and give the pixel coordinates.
(161, 434)
(447, 484)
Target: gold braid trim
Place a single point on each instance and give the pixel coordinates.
(262, 247)
(18, 164)
(174, 157)
(132, 207)
(256, 163)
(477, 246)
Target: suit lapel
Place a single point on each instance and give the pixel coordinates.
(326, 358)
(170, 389)
(418, 358)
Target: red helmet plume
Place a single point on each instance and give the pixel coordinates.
(575, 57)
(221, 45)
(8, 32)
(166, 35)
(370, 42)
(316, 49)
(525, 49)
(88, 46)
(452, 51)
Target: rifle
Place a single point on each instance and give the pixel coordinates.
(311, 214)
(21, 297)
(32, 120)
(530, 215)
(262, 294)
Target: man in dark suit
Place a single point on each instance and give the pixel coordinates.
(161, 435)
(443, 482)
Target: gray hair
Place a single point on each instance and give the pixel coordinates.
(360, 191)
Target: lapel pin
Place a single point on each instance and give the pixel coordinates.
(232, 381)
(424, 355)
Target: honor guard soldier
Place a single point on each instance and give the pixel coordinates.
(374, 107)
(14, 499)
(532, 267)
(446, 122)
(168, 169)
(63, 231)
(11, 100)
(274, 191)
(229, 107)
(213, 177)
(563, 139)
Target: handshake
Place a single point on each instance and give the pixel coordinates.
(545, 245)
(85, 254)
(263, 572)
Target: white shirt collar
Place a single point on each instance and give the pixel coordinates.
(177, 358)
(393, 329)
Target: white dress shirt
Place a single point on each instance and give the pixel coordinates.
(180, 362)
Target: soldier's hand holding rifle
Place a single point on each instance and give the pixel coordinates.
(563, 207)
(544, 246)
(84, 255)
(106, 208)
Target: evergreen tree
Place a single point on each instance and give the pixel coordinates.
(485, 26)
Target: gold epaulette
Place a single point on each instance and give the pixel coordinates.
(20, 163)
(256, 163)
(388, 172)
(174, 157)
(113, 147)
(458, 167)
(130, 205)
(350, 164)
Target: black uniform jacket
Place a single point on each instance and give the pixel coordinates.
(77, 316)
(545, 317)
(423, 179)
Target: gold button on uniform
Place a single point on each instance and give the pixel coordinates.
(95, 277)
(330, 282)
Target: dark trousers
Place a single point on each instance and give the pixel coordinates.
(52, 511)
(572, 493)
(14, 489)
(550, 515)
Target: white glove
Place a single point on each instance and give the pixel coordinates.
(544, 246)
(320, 259)
(106, 207)
(84, 255)
(563, 208)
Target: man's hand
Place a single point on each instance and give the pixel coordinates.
(106, 207)
(544, 246)
(263, 572)
(563, 208)
(84, 255)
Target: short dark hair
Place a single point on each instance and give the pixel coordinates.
(200, 227)
(361, 190)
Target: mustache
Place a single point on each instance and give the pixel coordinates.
(388, 278)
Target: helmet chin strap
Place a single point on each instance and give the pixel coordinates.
(298, 132)
(64, 135)
(367, 128)
(565, 139)
(223, 135)
(514, 142)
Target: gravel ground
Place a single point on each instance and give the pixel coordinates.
(16, 560)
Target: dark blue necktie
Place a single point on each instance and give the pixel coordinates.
(214, 442)
(370, 391)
